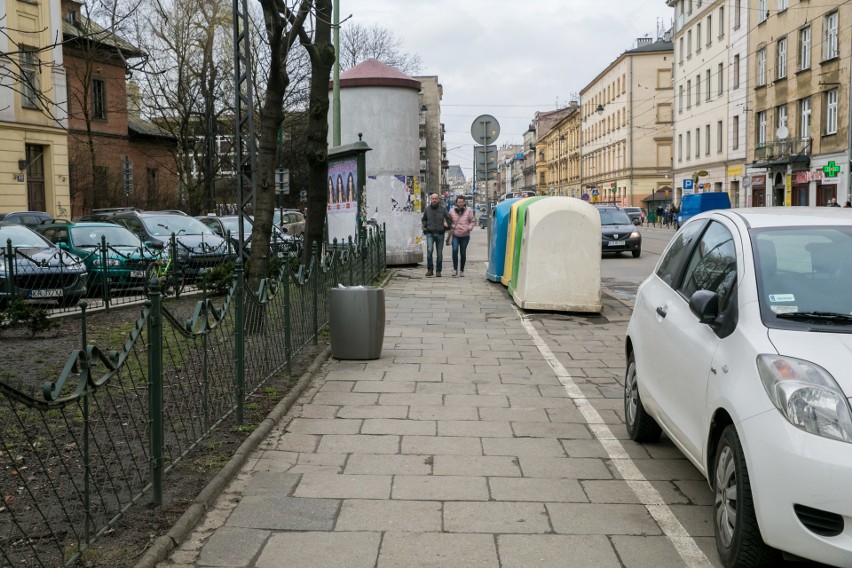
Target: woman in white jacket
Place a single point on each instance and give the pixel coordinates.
(463, 224)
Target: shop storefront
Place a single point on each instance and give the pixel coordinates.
(758, 190)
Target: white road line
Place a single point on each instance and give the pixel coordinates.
(648, 496)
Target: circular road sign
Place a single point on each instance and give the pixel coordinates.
(485, 129)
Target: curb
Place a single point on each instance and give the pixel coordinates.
(161, 547)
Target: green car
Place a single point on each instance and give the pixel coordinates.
(123, 261)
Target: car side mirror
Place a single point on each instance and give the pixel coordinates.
(63, 245)
(637, 221)
(705, 305)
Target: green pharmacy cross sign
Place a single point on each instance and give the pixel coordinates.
(831, 170)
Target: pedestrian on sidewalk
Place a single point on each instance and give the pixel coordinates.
(463, 223)
(435, 222)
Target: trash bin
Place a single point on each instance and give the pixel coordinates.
(356, 322)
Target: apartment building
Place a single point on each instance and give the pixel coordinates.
(549, 127)
(799, 95)
(735, 20)
(433, 162)
(33, 144)
(703, 98)
(626, 121)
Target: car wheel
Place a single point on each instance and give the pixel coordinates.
(637, 253)
(738, 539)
(640, 426)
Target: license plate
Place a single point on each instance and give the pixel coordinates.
(617, 243)
(137, 274)
(45, 293)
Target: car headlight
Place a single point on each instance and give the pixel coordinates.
(634, 235)
(807, 396)
(109, 262)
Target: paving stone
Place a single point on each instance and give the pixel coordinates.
(596, 518)
(390, 399)
(442, 413)
(435, 445)
(276, 461)
(359, 443)
(380, 516)
(446, 388)
(275, 512)
(557, 551)
(439, 488)
(324, 426)
(551, 430)
(646, 551)
(617, 491)
(297, 443)
(345, 398)
(567, 414)
(696, 519)
(438, 550)
(569, 468)
(476, 401)
(321, 550)
(337, 386)
(504, 466)
(474, 429)
(232, 547)
(331, 486)
(513, 414)
(409, 375)
(495, 517)
(360, 464)
(697, 492)
(264, 482)
(318, 411)
(401, 427)
(536, 490)
(373, 412)
(499, 389)
(671, 470)
(540, 402)
(594, 449)
(384, 386)
(536, 447)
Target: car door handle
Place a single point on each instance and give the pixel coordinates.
(661, 312)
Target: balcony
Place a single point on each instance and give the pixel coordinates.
(783, 150)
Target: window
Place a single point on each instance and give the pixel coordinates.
(761, 67)
(781, 59)
(680, 100)
(721, 22)
(698, 38)
(29, 77)
(688, 145)
(735, 134)
(805, 48)
(761, 128)
(805, 118)
(829, 42)
(719, 135)
(738, 8)
(680, 147)
(689, 11)
(780, 117)
(736, 71)
(707, 86)
(709, 30)
(680, 51)
(713, 265)
(762, 11)
(697, 143)
(782, 5)
(98, 98)
(677, 252)
(707, 140)
(689, 94)
(697, 90)
(831, 112)
(721, 73)
(689, 44)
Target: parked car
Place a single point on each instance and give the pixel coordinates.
(123, 262)
(226, 226)
(37, 269)
(197, 248)
(739, 349)
(696, 203)
(618, 232)
(635, 213)
(483, 219)
(28, 218)
(290, 221)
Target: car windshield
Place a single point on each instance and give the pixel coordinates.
(165, 225)
(116, 236)
(614, 217)
(232, 224)
(22, 237)
(804, 274)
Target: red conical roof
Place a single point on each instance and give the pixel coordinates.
(374, 73)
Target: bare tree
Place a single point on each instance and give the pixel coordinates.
(358, 43)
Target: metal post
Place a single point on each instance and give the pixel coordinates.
(10, 269)
(288, 319)
(104, 280)
(87, 468)
(335, 132)
(315, 286)
(240, 340)
(155, 390)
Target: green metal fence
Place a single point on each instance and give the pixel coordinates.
(80, 451)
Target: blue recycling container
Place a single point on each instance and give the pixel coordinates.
(497, 244)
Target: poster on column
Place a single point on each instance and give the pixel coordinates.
(342, 207)
(395, 201)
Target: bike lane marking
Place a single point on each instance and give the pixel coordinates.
(647, 494)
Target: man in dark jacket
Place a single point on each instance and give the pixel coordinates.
(436, 221)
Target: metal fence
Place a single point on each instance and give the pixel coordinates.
(80, 451)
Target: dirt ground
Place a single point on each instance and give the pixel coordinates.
(28, 361)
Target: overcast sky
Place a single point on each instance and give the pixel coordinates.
(509, 58)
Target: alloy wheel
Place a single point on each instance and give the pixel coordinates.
(631, 394)
(726, 500)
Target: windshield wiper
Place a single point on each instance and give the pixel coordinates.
(818, 317)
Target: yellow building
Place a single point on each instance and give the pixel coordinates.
(33, 138)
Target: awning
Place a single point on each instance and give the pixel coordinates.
(660, 195)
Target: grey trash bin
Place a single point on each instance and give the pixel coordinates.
(356, 322)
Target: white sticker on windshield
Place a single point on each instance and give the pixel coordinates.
(778, 298)
(784, 309)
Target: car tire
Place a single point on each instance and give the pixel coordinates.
(738, 539)
(637, 253)
(640, 426)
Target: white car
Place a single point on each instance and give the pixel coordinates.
(740, 350)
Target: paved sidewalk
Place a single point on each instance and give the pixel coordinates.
(458, 447)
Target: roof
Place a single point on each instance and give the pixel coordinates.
(136, 125)
(374, 73)
(659, 45)
(85, 28)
